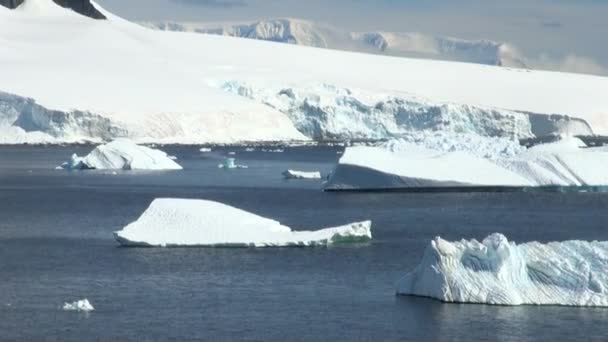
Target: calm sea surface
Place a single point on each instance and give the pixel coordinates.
(56, 245)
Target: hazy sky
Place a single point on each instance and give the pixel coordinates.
(568, 34)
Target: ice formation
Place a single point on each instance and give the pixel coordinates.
(173, 88)
(293, 174)
(79, 305)
(230, 163)
(123, 154)
(186, 222)
(496, 271)
(464, 161)
(205, 149)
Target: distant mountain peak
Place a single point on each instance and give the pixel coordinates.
(403, 44)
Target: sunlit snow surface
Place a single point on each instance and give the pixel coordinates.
(174, 87)
(170, 222)
(469, 160)
(123, 154)
(496, 271)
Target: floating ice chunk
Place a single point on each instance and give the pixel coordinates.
(276, 150)
(205, 149)
(123, 154)
(292, 174)
(231, 153)
(230, 163)
(79, 305)
(185, 222)
(465, 161)
(249, 149)
(496, 271)
(172, 157)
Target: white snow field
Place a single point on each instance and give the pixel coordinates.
(79, 305)
(118, 79)
(496, 271)
(468, 160)
(294, 174)
(170, 222)
(123, 154)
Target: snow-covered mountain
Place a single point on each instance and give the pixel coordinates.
(404, 44)
(115, 79)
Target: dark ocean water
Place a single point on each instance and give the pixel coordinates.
(56, 245)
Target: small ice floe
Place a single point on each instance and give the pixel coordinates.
(173, 222)
(82, 305)
(231, 153)
(276, 150)
(230, 163)
(292, 174)
(172, 157)
(122, 154)
(249, 149)
(205, 149)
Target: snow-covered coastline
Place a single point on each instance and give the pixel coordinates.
(496, 271)
(171, 222)
(281, 92)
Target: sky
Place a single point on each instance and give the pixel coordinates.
(569, 35)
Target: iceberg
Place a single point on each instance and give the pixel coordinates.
(123, 154)
(463, 161)
(79, 305)
(230, 163)
(496, 271)
(293, 174)
(170, 222)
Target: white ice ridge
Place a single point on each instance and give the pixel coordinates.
(496, 271)
(170, 222)
(469, 160)
(169, 87)
(123, 154)
(79, 305)
(293, 174)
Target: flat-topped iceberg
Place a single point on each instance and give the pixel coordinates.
(496, 271)
(293, 174)
(170, 222)
(79, 305)
(469, 161)
(123, 154)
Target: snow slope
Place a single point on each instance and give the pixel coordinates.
(404, 44)
(496, 271)
(469, 160)
(185, 222)
(123, 154)
(153, 86)
(294, 174)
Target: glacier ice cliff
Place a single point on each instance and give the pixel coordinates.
(496, 271)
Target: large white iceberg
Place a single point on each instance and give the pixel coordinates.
(123, 154)
(463, 161)
(172, 222)
(496, 271)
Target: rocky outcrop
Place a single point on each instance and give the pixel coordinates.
(83, 7)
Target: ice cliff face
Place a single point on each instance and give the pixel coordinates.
(322, 111)
(405, 44)
(496, 271)
(23, 116)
